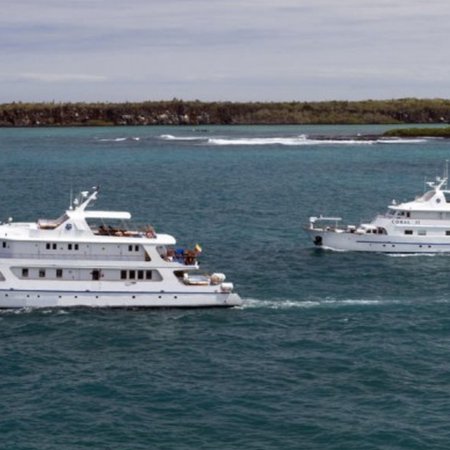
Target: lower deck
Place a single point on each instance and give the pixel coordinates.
(61, 299)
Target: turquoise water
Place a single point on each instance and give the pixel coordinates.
(331, 350)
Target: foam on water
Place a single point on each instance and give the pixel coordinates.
(288, 141)
(401, 141)
(121, 139)
(300, 140)
(171, 137)
(252, 303)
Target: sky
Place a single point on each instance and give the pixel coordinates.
(223, 50)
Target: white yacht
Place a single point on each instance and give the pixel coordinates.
(85, 258)
(418, 226)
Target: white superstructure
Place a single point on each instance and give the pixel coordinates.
(86, 258)
(418, 226)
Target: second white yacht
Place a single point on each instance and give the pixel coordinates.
(418, 226)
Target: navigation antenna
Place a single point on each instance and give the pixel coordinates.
(71, 198)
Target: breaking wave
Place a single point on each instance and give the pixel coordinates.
(288, 141)
(171, 137)
(119, 139)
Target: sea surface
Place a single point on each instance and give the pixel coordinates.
(331, 350)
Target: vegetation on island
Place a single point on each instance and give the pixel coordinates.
(443, 132)
(194, 113)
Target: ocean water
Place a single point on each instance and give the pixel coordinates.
(331, 350)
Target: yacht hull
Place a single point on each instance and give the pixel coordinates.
(345, 241)
(58, 299)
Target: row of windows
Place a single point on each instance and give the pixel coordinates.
(41, 273)
(96, 274)
(424, 232)
(135, 274)
(53, 246)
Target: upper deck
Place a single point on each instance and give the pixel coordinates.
(80, 224)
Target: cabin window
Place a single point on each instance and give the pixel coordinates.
(24, 273)
(4, 244)
(41, 273)
(422, 232)
(132, 274)
(123, 274)
(408, 214)
(59, 273)
(96, 274)
(69, 246)
(76, 246)
(408, 231)
(136, 248)
(47, 246)
(140, 274)
(130, 248)
(148, 274)
(447, 232)
(54, 246)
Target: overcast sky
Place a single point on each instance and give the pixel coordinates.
(238, 50)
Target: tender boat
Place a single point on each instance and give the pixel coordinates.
(84, 258)
(418, 226)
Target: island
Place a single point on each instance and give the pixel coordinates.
(195, 113)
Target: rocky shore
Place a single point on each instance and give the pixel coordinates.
(194, 113)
